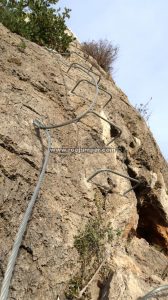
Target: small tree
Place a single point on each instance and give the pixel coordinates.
(103, 51)
(37, 21)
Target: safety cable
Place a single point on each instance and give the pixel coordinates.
(23, 225)
(22, 228)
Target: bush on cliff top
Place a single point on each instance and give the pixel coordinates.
(37, 21)
(103, 52)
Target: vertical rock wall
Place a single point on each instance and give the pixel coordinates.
(35, 84)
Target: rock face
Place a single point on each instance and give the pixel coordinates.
(60, 252)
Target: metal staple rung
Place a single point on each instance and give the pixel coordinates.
(77, 119)
(154, 292)
(116, 173)
(88, 71)
(69, 66)
(91, 110)
(98, 87)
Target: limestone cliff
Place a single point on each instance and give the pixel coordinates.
(130, 232)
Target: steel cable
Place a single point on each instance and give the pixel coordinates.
(23, 225)
(22, 228)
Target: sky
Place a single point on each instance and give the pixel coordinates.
(140, 29)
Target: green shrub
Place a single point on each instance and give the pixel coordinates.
(75, 285)
(90, 245)
(38, 21)
(103, 52)
(91, 241)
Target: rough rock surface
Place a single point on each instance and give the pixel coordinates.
(34, 84)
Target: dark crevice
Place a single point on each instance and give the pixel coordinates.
(142, 158)
(132, 145)
(5, 173)
(1, 269)
(7, 143)
(41, 86)
(104, 189)
(13, 177)
(152, 224)
(27, 249)
(130, 171)
(105, 287)
(32, 109)
(113, 131)
(30, 162)
(126, 161)
(8, 147)
(133, 174)
(11, 149)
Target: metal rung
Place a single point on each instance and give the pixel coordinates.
(88, 71)
(110, 96)
(77, 119)
(116, 173)
(91, 110)
(154, 292)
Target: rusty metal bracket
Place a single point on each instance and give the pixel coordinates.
(116, 173)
